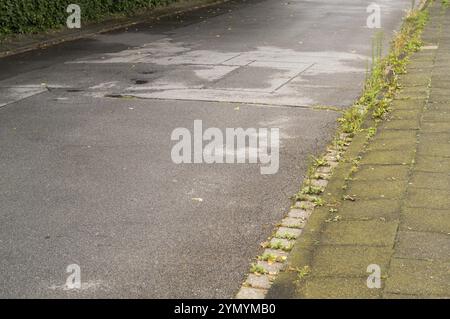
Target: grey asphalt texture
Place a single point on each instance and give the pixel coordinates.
(86, 175)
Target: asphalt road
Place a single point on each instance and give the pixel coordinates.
(86, 175)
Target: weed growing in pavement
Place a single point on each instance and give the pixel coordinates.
(382, 83)
(257, 269)
(303, 272)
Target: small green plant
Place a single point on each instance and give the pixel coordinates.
(268, 257)
(303, 272)
(257, 269)
(271, 258)
(279, 245)
(311, 190)
(319, 162)
(371, 132)
(286, 236)
(317, 201)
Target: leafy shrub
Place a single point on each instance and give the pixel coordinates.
(27, 16)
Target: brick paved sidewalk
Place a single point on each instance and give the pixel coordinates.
(397, 212)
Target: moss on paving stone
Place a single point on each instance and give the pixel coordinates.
(437, 164)
(370, 209)
(416, 79)
(427, 198)
(337, 288)
(438, 106)
(344, 261)
(426, 219)
(418, 277)
(396, 135)
(408, 104)
(423, 245)
(435, 127)
(435, 116)
(393, 144)
(412, 93)
(369, 233)
(405, 114)
(382, 172)
(433, 180)
(376, 189)
(434, 149)
(394, 124)
(388, 157)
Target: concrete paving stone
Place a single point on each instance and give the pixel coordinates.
(421, 80)
(441, 137)
(412, 93)
(392, 144)
(439, 93)
(423, 245)
(408, 104)
(438, 106)
(381, 172)
(434, 149)
(251, 293)
(426, 219)
(375, 189)
(435, 127)
(442, 59)
(422, 54)
(343, 261)
(418, 277)
(432, 164)
(442, 84)
(346, 288)
(403, 157)
(419, 65)
(425, 55)
(405, 114)
(406, 135)
(369, 233)
(427, 198)
(258, 281)
(435, 116)
(283, 231)
(370, 209)
(395, 124)
(431, 180)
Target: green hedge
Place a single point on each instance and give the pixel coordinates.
(25, 16)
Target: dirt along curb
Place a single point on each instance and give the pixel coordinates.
(16, 44)
(288, 255)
